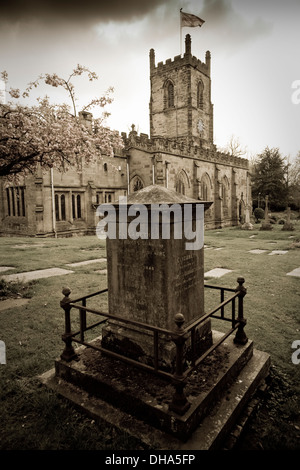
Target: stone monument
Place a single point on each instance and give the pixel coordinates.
(266, 223)
(247, 224)
(156, 276)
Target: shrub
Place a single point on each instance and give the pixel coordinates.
(259, 214)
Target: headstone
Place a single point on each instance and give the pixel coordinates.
(287, 224)
(150, 280)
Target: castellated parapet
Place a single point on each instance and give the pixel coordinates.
(143, 143)
(180, 61)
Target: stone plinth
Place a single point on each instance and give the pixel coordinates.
(150, 279)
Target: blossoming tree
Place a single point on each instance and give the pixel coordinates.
(52, 135)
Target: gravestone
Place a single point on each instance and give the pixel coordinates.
(153, 278)
(288, 224)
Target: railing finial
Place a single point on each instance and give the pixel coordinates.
(68, 353)
(241, 337)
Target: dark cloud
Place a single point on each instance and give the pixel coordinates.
(232, 27)
(72, 10)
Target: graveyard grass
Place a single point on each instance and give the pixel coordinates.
(34, 418)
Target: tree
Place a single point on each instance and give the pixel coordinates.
(294, 183)
(234, 147)
(269, 178)
(52, 135)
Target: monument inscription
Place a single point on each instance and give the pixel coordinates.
(152, 280)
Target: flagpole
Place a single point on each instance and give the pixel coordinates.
(180, 31)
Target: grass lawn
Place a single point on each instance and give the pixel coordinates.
(34, 418)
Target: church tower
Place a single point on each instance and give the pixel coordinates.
(180, 98)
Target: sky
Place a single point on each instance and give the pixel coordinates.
(254, 45)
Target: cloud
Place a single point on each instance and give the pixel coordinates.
(76, 11)
(232, 26)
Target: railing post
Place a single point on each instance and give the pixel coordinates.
(240, 337)
(179, 403)
(68, 353)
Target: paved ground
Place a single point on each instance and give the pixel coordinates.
(39, 274)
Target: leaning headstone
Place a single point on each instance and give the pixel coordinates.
(152, 278)
(288, 224)
(266, 223)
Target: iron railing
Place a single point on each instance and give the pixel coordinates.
(179, 336)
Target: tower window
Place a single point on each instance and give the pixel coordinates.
(200, 95)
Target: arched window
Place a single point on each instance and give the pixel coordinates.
(169, 94)
(76, 206)
(60, 206)
(200, 94)
(182, 182)
(138, 184)
(206, 187)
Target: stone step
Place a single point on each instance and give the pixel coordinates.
(209, 435)
(144, 396)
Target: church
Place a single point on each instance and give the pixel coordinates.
(179, 154)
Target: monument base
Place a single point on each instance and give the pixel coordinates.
(266, 226)
(138, 345)
(288, 227)
(247, 226)
(136, 402)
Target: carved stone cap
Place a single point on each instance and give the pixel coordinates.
(157, 194)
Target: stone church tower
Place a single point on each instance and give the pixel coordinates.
(180, 101)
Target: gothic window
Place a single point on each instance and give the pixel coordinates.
(109, 197)
(137, 184)
(200, 94)
(60, 206)
(180, 186)
(169, 94)
(205, 187)
(182, 182)
(76, 206)
(15, 198)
